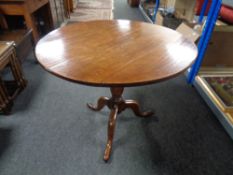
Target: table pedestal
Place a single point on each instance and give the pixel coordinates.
(116, 104)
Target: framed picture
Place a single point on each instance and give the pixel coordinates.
(220, 86)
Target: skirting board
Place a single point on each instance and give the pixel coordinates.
(224, 118)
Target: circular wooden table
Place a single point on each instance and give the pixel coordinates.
(115, 54)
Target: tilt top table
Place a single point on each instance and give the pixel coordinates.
(115, 54)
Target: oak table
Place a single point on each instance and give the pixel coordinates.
(115, 54)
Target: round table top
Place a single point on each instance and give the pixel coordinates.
(115, 53)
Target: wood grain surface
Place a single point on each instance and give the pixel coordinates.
(115, 53)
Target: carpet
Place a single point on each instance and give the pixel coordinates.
(87, 10)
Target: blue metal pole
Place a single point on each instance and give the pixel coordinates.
(202, 14)
(157, 2)
(206, 35)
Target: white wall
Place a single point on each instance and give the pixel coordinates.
(228, 2)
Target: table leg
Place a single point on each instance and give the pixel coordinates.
(111, 129)
(30, 22)
(17, 71)
(103, 101)
(6, 102)
(117, 104)
(132, 104)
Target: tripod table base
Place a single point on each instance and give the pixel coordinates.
(116, 104)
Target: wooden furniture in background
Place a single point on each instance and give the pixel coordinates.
(23, 41)
(115, 54)
(28, 8)
(133, 3)
(10, 89)
(69, 6)
(60, 11)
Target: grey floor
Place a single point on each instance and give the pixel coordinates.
(52, 132)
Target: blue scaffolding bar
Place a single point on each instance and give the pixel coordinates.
(203, 10)
(205, 37)
(157, 3)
